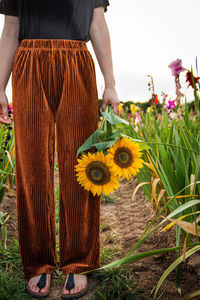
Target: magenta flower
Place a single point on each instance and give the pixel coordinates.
(176, 67)
(170, 105)
(10, 109)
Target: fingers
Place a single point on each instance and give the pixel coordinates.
(103, 106)
(5, 121)
(110, 97)
(113, 104)
(115, 108)
(4, 113)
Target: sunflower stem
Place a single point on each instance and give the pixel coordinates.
(108, 131)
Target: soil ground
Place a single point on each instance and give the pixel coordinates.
(122, 224)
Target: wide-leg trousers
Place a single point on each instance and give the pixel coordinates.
(54, 95)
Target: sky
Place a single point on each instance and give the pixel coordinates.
(146, 36)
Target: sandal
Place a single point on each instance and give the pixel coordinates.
(41, 284)
(69, 286)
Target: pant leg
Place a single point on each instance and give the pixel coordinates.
(76, 120)
(34, 127)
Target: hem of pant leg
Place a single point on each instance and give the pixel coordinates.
(39, 271)
(78, 269)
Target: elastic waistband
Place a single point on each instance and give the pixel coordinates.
(53, 43)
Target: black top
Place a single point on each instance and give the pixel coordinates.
(50, 19)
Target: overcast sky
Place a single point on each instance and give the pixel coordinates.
(145, 37)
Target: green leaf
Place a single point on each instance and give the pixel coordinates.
(186, 117)
(93, 138)
(104, 145)
(10, 160)
(173, 266)
(193, 295)
(112, 118)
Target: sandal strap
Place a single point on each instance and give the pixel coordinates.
(70, 282)
(42, 282)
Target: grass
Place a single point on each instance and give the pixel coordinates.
(107, 253)
(12, 281)
(12, 284)
(117, 283)
(107, 199)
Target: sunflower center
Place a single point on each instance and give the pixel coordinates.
(98, 173)
(123, 157)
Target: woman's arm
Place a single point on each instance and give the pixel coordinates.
(100, 40)
(8, 45)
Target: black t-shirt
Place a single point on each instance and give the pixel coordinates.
(50, 19)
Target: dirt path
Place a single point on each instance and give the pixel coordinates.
(122, 224)
(129, 219)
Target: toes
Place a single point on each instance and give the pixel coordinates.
(66, 292)
(79, 288)
(37, 289)
(44, 290)
(73, 291)
(34, 288)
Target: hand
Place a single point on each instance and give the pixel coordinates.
(4, 109)
(110, 97)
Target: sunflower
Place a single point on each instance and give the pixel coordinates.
(124, 158)
(94, 174)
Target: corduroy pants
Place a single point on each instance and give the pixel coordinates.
(54, 93)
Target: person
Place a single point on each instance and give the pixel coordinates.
(44, 45)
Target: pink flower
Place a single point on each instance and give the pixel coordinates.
(176, 67)
(170, 105)
(10, 109)
(137, 119)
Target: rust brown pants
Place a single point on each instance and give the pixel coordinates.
(54, 82)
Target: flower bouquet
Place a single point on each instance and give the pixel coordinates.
(118, 155)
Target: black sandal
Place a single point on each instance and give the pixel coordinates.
(41, 284)
(69, 286)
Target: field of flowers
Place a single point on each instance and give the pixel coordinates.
(155, 145)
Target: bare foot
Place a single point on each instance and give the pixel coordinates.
(33, 281)
(80, 283)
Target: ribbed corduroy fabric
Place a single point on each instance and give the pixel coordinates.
(54, 82)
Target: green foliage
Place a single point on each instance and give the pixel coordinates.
(12, 281)
(3, 227)
(107, 253)
(107, 199)
(12, 284)
(57, 208)
(7, 159)
(117, 283)
(173, 266)
(11, 255)
(174, 153)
